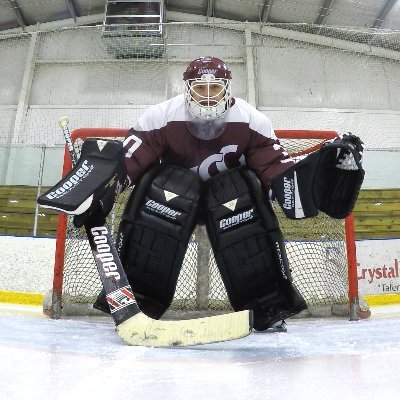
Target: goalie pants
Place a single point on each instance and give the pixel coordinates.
(243, 230)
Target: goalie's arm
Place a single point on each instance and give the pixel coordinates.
(145, 144)
(327, 180)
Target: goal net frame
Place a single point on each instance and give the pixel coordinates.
(53, 303)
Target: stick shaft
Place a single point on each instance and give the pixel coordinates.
(63, 122)
(119, 293)
(120, 297)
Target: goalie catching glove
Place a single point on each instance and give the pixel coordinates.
(92, 184)
(350, 151)
(327, 180)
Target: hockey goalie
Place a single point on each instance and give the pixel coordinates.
(206, 157)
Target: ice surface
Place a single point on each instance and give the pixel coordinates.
(85, 359)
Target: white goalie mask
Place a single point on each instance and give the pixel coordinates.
(208, 97)
(208, 88)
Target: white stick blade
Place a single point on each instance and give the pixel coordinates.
(141, 330)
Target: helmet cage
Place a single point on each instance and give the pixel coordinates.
(205, 104)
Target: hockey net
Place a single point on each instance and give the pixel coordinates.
(321, 253)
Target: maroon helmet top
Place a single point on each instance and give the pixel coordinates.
(207, 65)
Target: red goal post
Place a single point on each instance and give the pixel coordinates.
(321, 252)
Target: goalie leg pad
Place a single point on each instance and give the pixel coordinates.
(249, 248)
(154, 232)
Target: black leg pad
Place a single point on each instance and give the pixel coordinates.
(154, 232)
(249, 248)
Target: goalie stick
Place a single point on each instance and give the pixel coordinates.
(132, 325)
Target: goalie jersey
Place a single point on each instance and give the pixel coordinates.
(248, 139)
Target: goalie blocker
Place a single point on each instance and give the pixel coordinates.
(328, 180)
(92, 184)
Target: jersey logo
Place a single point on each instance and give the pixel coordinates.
(218, 160)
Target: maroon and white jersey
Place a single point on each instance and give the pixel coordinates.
(248, 139)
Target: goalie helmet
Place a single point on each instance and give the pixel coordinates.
(208, 88)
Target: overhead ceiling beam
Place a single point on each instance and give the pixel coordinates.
(18, 15)
(210, 8)
(266, 30)
(59, 24)
(366, 49)
(387, 8)
(266, 10)
(324, 13)
(72, 9)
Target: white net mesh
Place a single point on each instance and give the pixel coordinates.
(302, 76)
